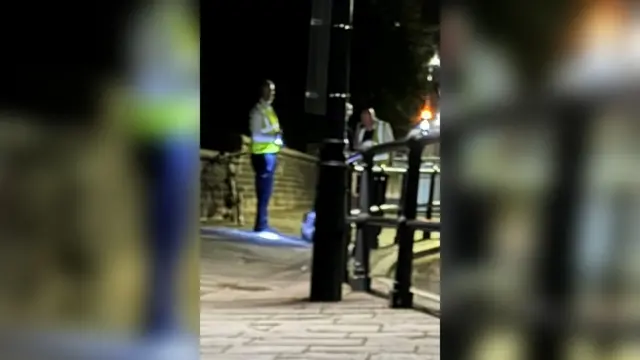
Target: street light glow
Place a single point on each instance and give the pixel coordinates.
(435, 61)
(426, 114)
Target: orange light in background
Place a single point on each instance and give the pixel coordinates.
(599, 22)
(426, 114)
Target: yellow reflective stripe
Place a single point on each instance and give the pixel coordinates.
(154, 118)
(264, 148)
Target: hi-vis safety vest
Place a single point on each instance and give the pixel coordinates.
(267, 143)
(169, 103)
(171, 117)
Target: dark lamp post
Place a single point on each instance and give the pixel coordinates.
(329, 249)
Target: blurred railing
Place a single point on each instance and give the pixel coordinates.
(540, 293)
(368, 216)
(428, 193)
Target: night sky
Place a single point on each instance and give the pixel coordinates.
(56, 54)
(246, 41)
(53, 70)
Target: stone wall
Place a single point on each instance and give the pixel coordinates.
(295, 183)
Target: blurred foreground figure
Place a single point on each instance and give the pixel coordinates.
(165, 105)
(266, 141)
(67, 314)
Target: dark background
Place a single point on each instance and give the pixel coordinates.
(245, 41)
(57, 58)
(56, 55)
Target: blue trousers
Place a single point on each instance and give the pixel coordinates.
(264, 166)
(171, 170)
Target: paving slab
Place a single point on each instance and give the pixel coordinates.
(254, 307)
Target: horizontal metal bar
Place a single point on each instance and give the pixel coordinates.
(424, 225)
(368, 220)
(394, 146)
(396, 170)
(404, 158)
(391, 208)
(377, 209)
(392, 223)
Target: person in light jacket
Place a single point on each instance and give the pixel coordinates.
(372, 131)
(369, 132)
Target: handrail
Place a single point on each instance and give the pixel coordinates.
(557, 248)
(394, 146)
(396, 170)
(367, 216)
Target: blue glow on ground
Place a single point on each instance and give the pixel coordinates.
(248, 236)
(65, 346)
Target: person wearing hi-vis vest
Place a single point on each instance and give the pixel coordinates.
(266, 141)
(164, 104)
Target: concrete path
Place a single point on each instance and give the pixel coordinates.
(426, 269)
(253, 308)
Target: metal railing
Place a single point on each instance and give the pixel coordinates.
(545, 313)
(430, 206)
(406, 223)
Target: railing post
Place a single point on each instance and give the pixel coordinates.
(432, 187)
(401, 296)
(361, 274)
(555, 282)
(349, 230)
(377, 198)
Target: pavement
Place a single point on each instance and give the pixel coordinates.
(286, 222)
(426, 274)
(253, 307)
